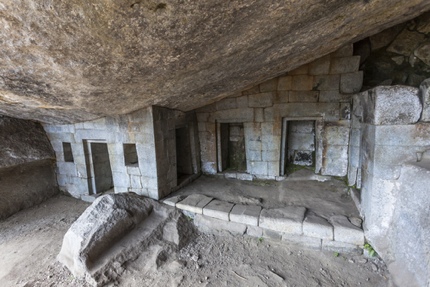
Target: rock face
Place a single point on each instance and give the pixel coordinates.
(27, 175)
(74, 60)
(399, 55)
(115, 229)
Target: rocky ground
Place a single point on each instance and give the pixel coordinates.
(31, 239)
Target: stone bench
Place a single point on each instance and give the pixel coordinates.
(291, 224)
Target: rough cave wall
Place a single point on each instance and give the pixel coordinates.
(390, 132)
(152, 130)
(397, 56)
(26, 166)
(320, 90)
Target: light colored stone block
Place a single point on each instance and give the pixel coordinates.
(315, 226)
(288, 219)
(395, 105)
(244, 176)
(425, 100)
(257, 167)
(335, 160)
(345, 231)
(333, 97)
(246, 214)
(351, 83)
(194, 203)
(320, 66)
(218, 209)
(341, 247)
(171, 201)
(214, 226)
(302, 70)
(254, 231)
(308, 242)
(272, 234)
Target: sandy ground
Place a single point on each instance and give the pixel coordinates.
(31, 239)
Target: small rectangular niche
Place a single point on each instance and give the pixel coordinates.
(130, 155)
(67, 151)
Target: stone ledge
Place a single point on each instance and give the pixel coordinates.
(287, 220)
(246, 214)
(218, 209)
(194, 203)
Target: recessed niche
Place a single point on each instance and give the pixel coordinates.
(67, 151)
(130, 155)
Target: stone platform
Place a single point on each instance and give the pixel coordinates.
(290, 224)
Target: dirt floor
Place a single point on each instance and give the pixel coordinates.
(31, 239)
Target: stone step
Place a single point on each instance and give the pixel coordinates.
(291, 224)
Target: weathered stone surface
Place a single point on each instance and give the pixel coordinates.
(395, 105)
(305, 241)
(351, 83)
(194, 203)
(22, 142)
(108, 219)
(218, 209)
(287, 220)
(173, 200)
(345, 231)
(315, 226)
(254, 231)
(423, 53)
(406, 42)
(246, 214)
(341, 247)
(211, 225)
(424, 94)
(100, 67)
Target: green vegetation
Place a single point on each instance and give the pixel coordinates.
(370, 249)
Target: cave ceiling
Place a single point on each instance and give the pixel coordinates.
(68, 61)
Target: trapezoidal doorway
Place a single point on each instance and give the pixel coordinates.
(231, 147)
(300, 144)
(98, 166)
(184, 164)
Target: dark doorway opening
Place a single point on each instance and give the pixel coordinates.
(184, 166)
(232, 147)
(101, 167)
(299, 149)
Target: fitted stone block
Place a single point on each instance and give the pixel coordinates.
(226, 104)
(302, 70)
(254, 231)
(326, 83)
(341, 247)
(173, 200)
(257, 167)
(194, 203)
(303, 96)
(244, 176)
(344, 51)
(425, 100)
(395, 105)
(246, 214)
(218, 209)
(320, 66)
(335, 161)
(315, 226)
(285, 83)
(305, 241)
(214, 226)
(269, 86)
(351, 83)
(287, 219)
(345, 231)
(345, 65)
(333, 97)
(302, 83)
(261, 100)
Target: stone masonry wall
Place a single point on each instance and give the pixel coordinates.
(387, 136)
(320, 90)
(152, 130)
(135, 128)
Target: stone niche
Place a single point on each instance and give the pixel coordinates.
(388, 160)
(302, 117)
(151, 152)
